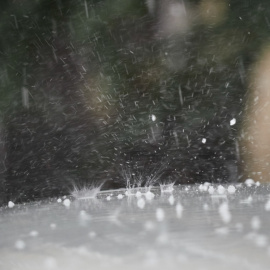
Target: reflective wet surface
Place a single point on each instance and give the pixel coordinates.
(184, 227)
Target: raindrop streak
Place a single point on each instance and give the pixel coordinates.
(86, 9)
(180, 95)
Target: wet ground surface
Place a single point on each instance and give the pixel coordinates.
(189, 227)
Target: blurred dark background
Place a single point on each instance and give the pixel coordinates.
(119, 90)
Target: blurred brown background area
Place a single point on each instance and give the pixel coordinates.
(255, 133)
(95, 91)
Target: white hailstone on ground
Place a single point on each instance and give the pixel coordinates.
(141, 203)
(67, 203)
(149, 195)
(231, 189)
(120, 196)
(211, 190)
(138, 194)
(179, 210)
(255, 223)
(20, 244)
(153, 117)
(108, 198)
(203, 140)
(171, 200)
(257, 183)
(224, 212)
(33, 233)
(11, 204)
(233, 122)
(59, 200)
(160, 215)
(267, 205)
(249, 182)
(203, 187)
(220, 190)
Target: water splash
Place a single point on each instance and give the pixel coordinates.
(86, 192)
